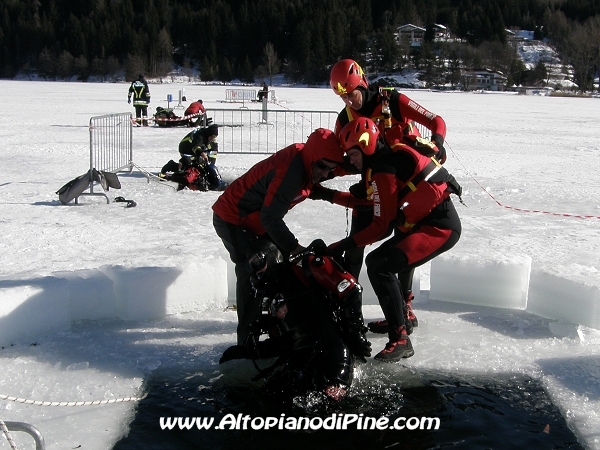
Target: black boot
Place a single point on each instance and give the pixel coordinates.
(398, 347)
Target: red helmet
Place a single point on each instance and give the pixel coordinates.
(361, 133)
(346, 75)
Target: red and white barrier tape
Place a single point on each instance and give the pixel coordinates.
(539, 211)
(178, 119)
(577, 216)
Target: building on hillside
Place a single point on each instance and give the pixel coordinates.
(533, 52)
(485, 80)
(415, 34)
(442, 33)
(514, 37)
(533, 90)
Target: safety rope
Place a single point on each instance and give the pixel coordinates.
(86, 403)
(302, 116)
(513, 208)
(4, 429)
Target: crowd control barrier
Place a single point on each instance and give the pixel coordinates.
(240, 95)
(111, 148)
(266, 131)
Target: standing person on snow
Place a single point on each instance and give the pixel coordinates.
(141, 99)
(256, 203)
(410, 193)
(263, 93)
(389, 109)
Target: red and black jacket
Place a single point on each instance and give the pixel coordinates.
(260, 199)
(403, 186)
(403, 111)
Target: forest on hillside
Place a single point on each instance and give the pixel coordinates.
(249, 39)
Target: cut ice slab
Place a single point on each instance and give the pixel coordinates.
(502, 282)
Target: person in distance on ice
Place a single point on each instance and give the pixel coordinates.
(410, 193)
(389, 109)
(188, 174)
(263, 93)
(196, 107)
(141, 99)
(256, 203)
(312, 314)
(201, 147)
(200, 143)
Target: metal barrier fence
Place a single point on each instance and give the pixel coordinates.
(29, 429)
(266, 131)
(111, 147)
(240, 95)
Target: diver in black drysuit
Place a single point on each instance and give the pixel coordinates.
(316, 331)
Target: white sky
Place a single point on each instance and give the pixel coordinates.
(535, 153)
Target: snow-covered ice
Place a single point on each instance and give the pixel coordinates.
(94, 297)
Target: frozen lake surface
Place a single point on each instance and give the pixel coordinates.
(101, 302)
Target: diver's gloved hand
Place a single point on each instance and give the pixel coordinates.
(359, 190)
(359, 345)
(318, 247)
(441, 151)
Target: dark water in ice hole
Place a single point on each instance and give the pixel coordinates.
(506, 411)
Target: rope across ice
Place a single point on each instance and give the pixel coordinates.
(85, 403)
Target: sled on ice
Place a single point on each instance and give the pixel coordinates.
(166, 118)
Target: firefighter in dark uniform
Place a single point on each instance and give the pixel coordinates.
(141, 98)
(201, 147)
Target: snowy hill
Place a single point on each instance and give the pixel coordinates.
(532, 52)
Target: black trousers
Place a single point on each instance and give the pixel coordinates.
(353, 258)
(141, 111)
(237, 241)
(432, 236)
